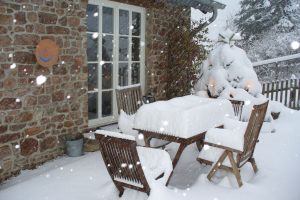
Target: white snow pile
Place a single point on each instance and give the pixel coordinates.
(277, 156)
(182, 116)
(228, 66)
(125, 124)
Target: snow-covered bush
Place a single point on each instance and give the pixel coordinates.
(228, 66)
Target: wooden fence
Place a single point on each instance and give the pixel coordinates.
(284, 91)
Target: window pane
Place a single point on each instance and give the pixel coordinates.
(123, 48)
(107, 48)
(107, 76)
(108, 20)
(136, 24)
(93, 105)
(135, 49)
(93, 77)
(135, 73)
(123, 74)
(106, 103)
(124, 22)
(92, 48)
(92, 18)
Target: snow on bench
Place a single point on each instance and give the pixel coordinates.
(115, 134)
(183, 116)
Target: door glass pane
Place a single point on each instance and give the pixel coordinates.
(107, 76)
(124, 22)
(108, 20)
(106, 103)
(92, 18)
(93, 105)
(123, 48)
(135, 49)
(92, 48)
(93, 77)
(135, 73)
(136, 24)
(123, 74)
(107, 48)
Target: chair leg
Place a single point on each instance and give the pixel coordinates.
(217, 165)
(120, 188)
(147, 141)
(254, 166)
(235, 169)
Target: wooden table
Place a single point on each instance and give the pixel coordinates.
(182, 120)
(183, 143)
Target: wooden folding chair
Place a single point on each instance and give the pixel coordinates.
(129, 99)
(237, 108)
(238, 158)
(120, 155)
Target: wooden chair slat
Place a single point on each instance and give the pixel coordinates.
(237, 108)
(118, 154)
(127, 99)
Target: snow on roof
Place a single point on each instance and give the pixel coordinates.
(206, 6)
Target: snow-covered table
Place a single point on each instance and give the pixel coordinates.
(183, 120)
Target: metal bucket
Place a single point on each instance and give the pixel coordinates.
(74, 148)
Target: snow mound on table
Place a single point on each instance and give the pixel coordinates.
(183, 116)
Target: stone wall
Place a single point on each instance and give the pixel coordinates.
(35, 120)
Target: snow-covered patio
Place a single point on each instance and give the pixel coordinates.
(277, 156)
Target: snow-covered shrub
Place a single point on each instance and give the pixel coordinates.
(228, 66)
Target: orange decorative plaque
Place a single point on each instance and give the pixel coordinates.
(47, 53)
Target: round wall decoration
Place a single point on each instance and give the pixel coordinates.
(47, 53)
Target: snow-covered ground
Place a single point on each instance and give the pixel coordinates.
(277, 156)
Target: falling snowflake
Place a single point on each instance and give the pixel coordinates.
(13, 66)
(295, 45)
(41, 79)
(141, 136)
(123, 165)
(95, 35)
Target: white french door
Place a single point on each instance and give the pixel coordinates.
(115, 54)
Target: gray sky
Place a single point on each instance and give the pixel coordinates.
(232, 6)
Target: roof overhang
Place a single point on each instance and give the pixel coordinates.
(206, 6)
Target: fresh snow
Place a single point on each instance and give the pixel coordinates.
(183, 116)
(114, 134)
(225, 137)
(277, 156)
(227, 66)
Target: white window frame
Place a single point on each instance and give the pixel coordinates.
(100, 121)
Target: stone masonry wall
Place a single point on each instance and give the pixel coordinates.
(35, 120)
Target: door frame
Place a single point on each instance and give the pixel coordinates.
(101, 121)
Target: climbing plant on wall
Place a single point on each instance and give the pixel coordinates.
(187, 47)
